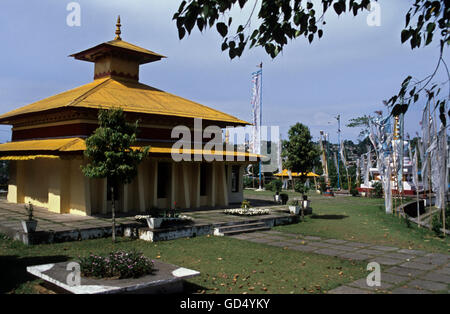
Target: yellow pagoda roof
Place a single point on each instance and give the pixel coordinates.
(18, 150)
(57, 145)
(285, 173)
(144, 55)
(131, 96)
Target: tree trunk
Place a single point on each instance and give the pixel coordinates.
(113, 209)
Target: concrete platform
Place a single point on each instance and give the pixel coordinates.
(53, 227)
(166, 278)
(209, 222)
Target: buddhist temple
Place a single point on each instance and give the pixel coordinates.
(48, 141)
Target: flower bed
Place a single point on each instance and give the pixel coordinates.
(118, 264)
(247, 212)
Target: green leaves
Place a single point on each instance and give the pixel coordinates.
(339, 7)
(432, 18)
(181, 33)
(442, 107)
(222, 29)
(320, 33)
(405, 35)
(399, 109)
(280, 21)
(300, 151)
(109, 148)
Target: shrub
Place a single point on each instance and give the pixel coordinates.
(293, 203)
(300, 187)
(323, 186)
(354, 192)
(245, 204)
(274, 186)
(407, 221)
(118, 264)
(377, 189)
(248, 182)
(436, 224)
(29, 210)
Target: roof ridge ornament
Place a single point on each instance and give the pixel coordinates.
(118, 32)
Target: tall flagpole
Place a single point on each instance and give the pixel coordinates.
(339, 147)
(260, 122)
(257, 117)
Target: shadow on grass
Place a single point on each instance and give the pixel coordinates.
(13, 269)
(190, 288)
(329, 217)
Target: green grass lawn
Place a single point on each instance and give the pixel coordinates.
(227, 265)
(360, 219)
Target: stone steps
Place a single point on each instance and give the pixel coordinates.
(240, 228)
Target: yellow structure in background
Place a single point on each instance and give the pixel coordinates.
(285, 173)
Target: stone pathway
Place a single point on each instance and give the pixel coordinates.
(11, 215)
(403, 271)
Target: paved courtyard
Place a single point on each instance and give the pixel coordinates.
(84, 227)
(403, 271)
(11, 215)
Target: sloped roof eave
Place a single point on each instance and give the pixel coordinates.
(108, 93)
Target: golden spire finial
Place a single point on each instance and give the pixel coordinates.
(118, 32)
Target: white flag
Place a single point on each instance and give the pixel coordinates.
(255, 145)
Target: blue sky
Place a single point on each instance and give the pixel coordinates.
(350, 71)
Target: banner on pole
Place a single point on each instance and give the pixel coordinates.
(255, 143)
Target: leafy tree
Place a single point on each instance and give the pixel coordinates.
(378, 189)
(360, 122)
(110, 153)
(275, 186)
(301, 152)
(280, 21)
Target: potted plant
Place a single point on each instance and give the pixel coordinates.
(306, 203)
(30, 224)
(277, 197)
(294, 207)
(245, 204)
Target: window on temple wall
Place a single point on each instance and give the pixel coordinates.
(235, 179)
(164, 178)
(203, 179)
